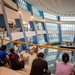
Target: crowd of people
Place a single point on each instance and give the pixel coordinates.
(39, 65)
(12, 59)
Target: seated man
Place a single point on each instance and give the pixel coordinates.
(15, 63)
(3, 55)
(39, 65)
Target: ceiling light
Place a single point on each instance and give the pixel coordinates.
(32, 17)
(24, 22)
(59, 22)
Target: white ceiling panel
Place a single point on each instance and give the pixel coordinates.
(58, 7)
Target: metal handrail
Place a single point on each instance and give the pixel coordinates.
(38, 45)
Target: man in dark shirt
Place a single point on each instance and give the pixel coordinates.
(15, 63)
(39, 66)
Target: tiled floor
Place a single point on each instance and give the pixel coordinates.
(8, 71)
(26, 71)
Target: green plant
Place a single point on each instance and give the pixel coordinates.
(55, 43)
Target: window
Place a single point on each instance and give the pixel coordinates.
(53, 37)
(35, 11)
(52, 50)
(70, 27)
(22, 4)
(41, 39)
(51, 26)
(67, 37)
(30, 39)
(39, 26)
(67, 18)
(49, 16)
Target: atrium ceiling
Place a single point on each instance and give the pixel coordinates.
(58, 7)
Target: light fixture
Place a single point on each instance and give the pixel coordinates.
(59, 22)
(24, 22)
(32, 17)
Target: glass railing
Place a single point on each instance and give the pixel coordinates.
(52, 53)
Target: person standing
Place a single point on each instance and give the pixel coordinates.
(64, 67)
(39, 65)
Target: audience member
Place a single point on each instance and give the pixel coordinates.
(3, 55)
(15, 61)
(64, 67)
(39, 65)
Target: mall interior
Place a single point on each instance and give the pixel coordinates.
(33, 26)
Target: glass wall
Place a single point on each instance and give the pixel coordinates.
(70, 27)
(35, 11)
(22, 4)
(41, 39)
(30, 39)
(67, 18)
(50, 57)
(53, 37)
(49, 16)
(27, 27)
(67, 37)
(51, 26)
(39, 26)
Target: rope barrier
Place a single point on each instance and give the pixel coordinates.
(44, 46)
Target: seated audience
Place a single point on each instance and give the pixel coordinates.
(3, 55)
(39, 66)
(15, 61)
(64, 67)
